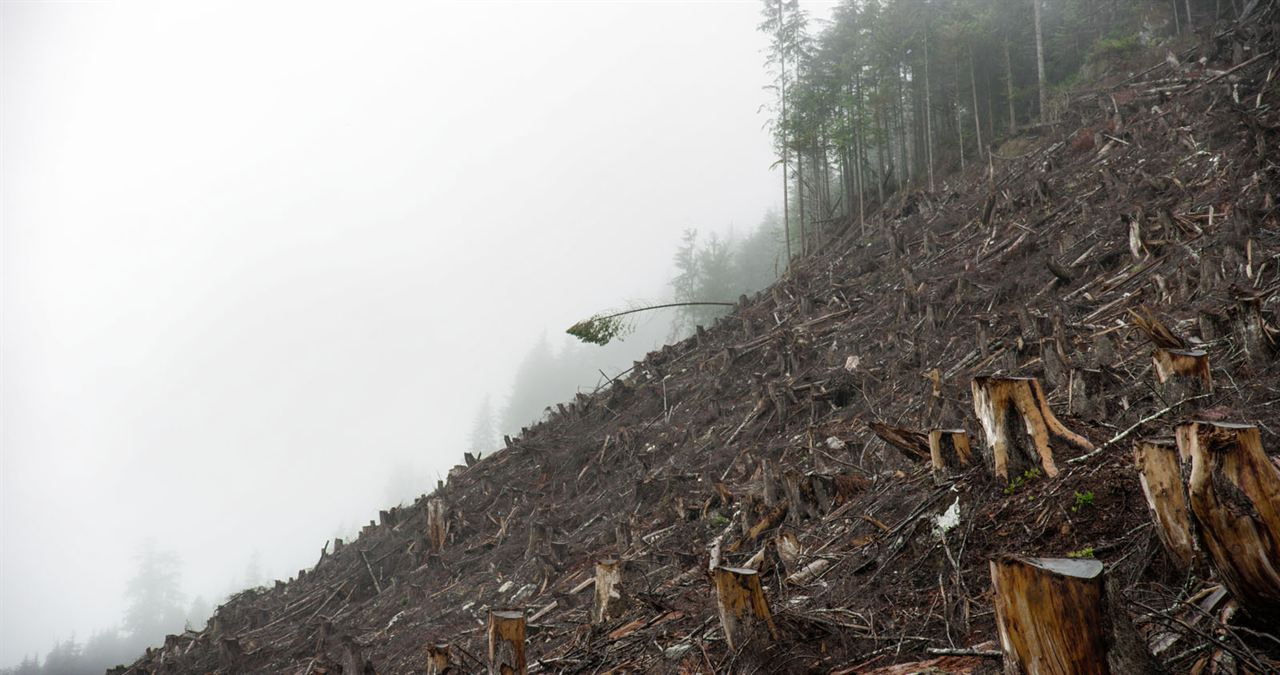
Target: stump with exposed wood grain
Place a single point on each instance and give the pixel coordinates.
(949, 451)
(609, 601)
(1020, 429)
(744, 612)
(1234, 493)
(439, 659)
(1053, 616)
(1160, 473)
(437, 525)
(506, 642)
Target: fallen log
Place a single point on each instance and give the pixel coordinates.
(1235, 497)
(913, 444)
(506, 642)
(1009, 406)
(1160, 473)
(744, 612)
(1053, 615)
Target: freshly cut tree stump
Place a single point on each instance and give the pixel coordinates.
(609, 601)
(744, 613)
(1053, 617)
(1160, 472)
(439, 660)
(437, 526)
(1019, 426)
(949, 450)
(1235, 497)
(1182, 373)
(506, 642)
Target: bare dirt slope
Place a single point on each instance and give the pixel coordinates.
(1156, 189)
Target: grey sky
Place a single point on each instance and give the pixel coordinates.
(255, 254)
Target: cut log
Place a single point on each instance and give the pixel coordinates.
(913, 444)
(1160, 472)
(1235, 498)
(1053, 616)
(950, 451)
(437, 525)
(609, 601)
(1019, 426)
(1181, 373)
(439, 659)
(744, 612)
(506, 642)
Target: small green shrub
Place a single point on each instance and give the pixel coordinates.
(1083, 499)
(1086, 552)
(1019, 482)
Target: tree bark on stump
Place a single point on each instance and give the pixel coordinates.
(437, 526)
(439, 659)
(1235, 497)
(506, 642)
(913, 444)
(1160, 472)
(608, 600)
(1019, 426)
(744, 612)
(950, 451)
(1181, 373)
(1085, 396)
(1053, 616)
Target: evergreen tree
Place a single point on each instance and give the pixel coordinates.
(155, 602)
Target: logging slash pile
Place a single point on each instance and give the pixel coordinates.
(1024, 422)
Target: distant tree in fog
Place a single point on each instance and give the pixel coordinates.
(154, 595)
(484, 436)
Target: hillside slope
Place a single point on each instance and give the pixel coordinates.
(1156, 190)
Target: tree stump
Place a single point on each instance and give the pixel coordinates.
(609, 602)
(949, 450)
(1086, 395)
(439, 660)
(1053, 617)
(744, 613)
(1235, 497)
(1055, 363)
(1009, 406)
(1160, 472)
(1181, 373)
(437, 525)
(506, 642)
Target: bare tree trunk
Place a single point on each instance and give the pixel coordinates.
(928, 111)
(1191, 28)
(800, 199)
(1044, 95)
(977, 116)
(857, 158)
(1008, 80)
(786, 181)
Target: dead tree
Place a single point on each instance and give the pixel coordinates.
(1181, 373)
(1009, 406)
(949, 449)
(439, 659)
(1160, 472)
(437, 525)
(744, 613)
(609, 601)
(1235, 497)
(1053, 616)
(506, 642)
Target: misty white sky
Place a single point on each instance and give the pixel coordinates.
(258, 255)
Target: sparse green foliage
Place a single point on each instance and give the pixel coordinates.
(1083, 499)
(1019, 482)
(1086, 552)
(717, 520)
(599, 329)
